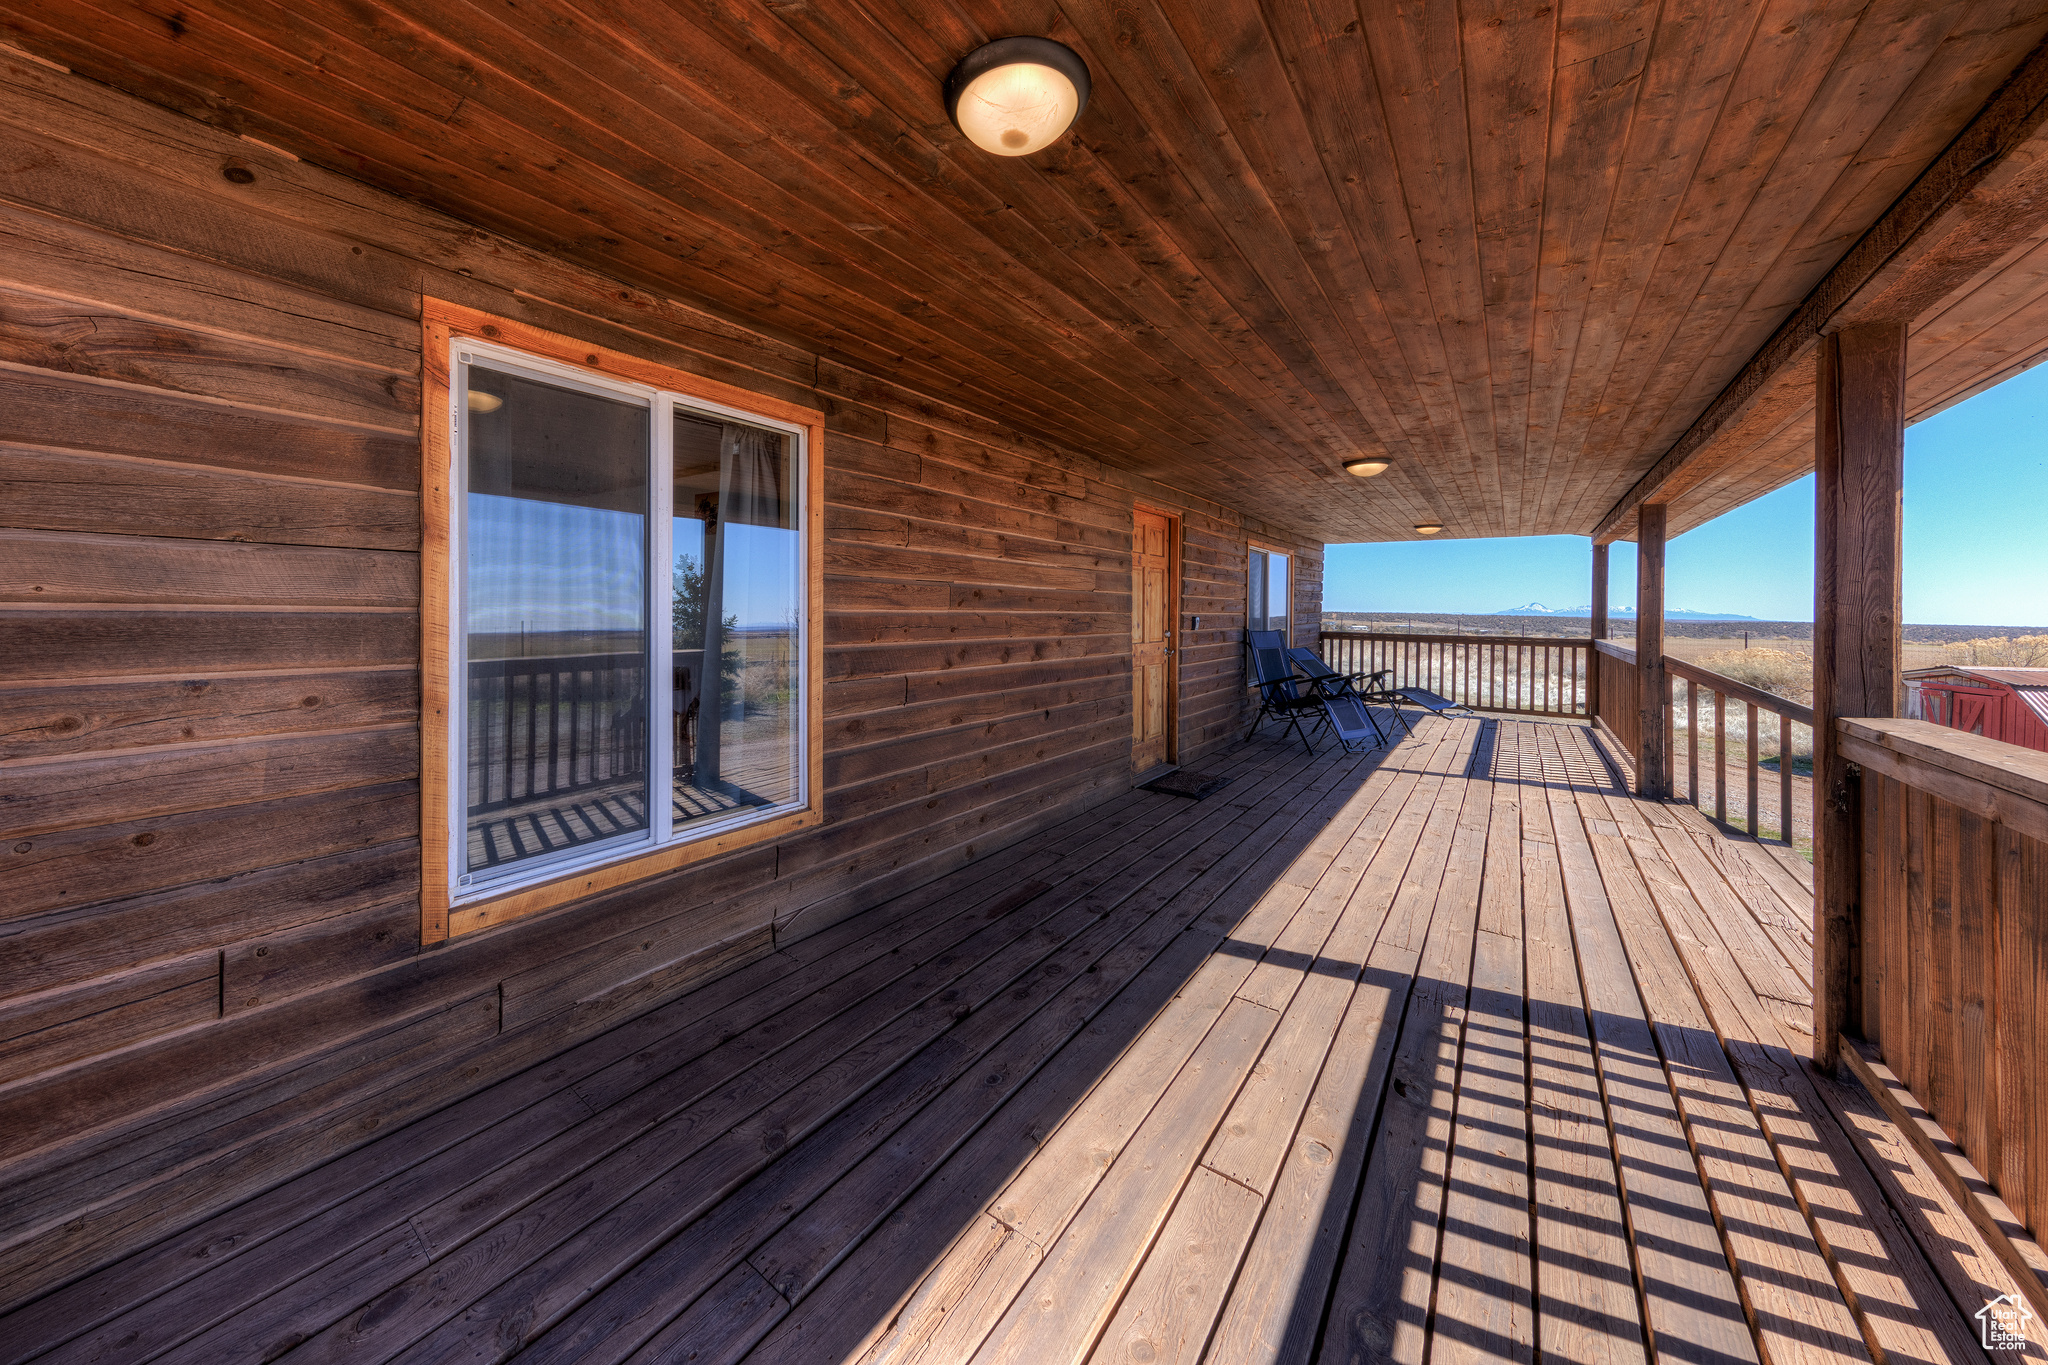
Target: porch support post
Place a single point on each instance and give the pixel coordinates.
(1859, 466)
(1598, 630)
(1653, 765)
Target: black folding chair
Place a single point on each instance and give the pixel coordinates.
(1279, 698)
(1430, 701)
(1326, 683)
(1352, 720)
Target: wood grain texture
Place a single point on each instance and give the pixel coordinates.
(1273, 242)
(42, 720)
(53, 490)
(1949, 893)
(1222, 284)
(1653, 687)
(1860, 471)
(1938, 242)
(213, 467)
(1051, 1037)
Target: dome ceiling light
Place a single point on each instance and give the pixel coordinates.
(1427, 528)
(1365, 468)
(1016, 95)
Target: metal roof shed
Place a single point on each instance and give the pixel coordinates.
(1999, 703)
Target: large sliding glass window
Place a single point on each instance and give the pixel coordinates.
(554, 619)
(1268, 593)
(735, 603)
(602, 706)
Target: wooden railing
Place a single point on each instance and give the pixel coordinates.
(549, 726)
(1953, 938)
(1618, 703)
(1689, 716)
(1520, 674)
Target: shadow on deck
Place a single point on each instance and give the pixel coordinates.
(1449, 1052)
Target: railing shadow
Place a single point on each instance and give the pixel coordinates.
(900, 1160)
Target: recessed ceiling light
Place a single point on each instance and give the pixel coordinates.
(1366, 468)
(1017, 95)
(1428, 528)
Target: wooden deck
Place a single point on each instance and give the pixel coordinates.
(1450, 1053)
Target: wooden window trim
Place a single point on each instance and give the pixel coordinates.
(1288, 554)
(442, 324)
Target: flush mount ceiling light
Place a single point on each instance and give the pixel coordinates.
(1428, 528)
(1016, 95)
(484, 402)
(1366, 468)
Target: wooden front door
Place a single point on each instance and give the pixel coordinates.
(1155, 609)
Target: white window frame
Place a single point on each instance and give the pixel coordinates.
(1251, 548)
(468, 900)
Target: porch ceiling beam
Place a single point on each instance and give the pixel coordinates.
(1984, 195)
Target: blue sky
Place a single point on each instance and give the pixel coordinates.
(545, 566)
(1976, 540)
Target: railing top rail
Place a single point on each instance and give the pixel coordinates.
(2006, 768)
(1558, 641)
(1615, 651)
(1741, 691)
(557, 663)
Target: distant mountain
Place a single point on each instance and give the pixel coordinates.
(1538, 609)
(1620, 613)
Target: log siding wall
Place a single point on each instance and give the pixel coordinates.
(210, 972)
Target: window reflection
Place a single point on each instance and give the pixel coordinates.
(735, 613)
(554, 601)
(1267, 592)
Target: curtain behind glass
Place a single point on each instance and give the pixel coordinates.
(1255, 607)
(737, 611)
(1276, 594)
(555, 594)
(1266, 595)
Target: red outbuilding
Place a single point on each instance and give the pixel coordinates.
(1999, 703)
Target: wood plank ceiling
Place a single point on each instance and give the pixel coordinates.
(1517, 246)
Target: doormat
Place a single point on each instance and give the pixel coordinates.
(1193, 786)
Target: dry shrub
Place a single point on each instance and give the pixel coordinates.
(1776, 671)
(1999, 651)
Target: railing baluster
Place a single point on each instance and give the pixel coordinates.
(575, 725)
(555, 782)
(511, 682)
(1720, 757)
(1749, 751)
(1785, 777)
(1692, 741)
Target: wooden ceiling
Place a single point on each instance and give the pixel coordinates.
(1519, 246)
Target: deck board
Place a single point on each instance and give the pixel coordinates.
(1453, 1052)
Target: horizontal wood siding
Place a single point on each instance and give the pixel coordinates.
(1954, 941)
(209, 694)
(1618, 708)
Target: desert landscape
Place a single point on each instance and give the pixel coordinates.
(1925, 645)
